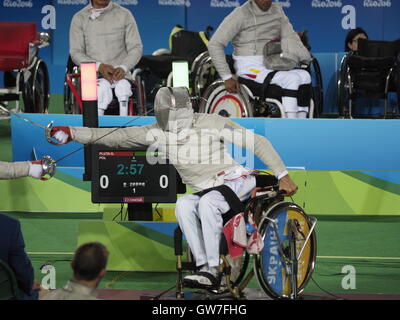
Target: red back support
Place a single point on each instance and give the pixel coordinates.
(14, 44)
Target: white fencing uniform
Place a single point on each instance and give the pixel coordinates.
(200, 218)
(122, 90)
(252, 68)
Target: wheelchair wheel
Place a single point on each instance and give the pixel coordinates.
(343, 95)
(241, 264)
(269, 265)
(71, 105)
(317, 88)
(139, 97)
(35, 93)
(202, 74)
(217, 100)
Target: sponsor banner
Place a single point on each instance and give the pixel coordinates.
(224, 4)
(72, 2)
(178, 3)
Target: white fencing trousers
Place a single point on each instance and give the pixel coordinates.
(252, 68)
(122, 90)
(201, 221)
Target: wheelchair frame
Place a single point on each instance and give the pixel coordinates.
(252, 105)
(273, 201)
(249, 103)
(73, 102)
(200, 65)
(346, 89)
(30, 82)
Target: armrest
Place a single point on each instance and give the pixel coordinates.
(42, 40)
(161, 51)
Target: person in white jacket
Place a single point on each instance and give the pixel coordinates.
(106, 33)
(249, 28)
(194, 144)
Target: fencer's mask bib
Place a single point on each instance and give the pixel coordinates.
(173, 109)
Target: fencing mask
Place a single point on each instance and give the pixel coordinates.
(173, 109)
(286, 54)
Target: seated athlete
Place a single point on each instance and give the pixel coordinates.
(107, 33)
(194, 144)
(249, 28)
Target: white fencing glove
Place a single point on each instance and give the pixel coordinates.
(35, 169)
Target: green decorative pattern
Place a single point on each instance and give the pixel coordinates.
(320, 192)
(131, 246)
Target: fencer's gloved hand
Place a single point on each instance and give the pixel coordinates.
(35, 169)
(62, 134)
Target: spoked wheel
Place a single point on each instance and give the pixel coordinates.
(71, 105)
(239, 267)
(36, 90)
(217, 100)
(139, 97)
(202, 74)
(317, 87)
(343, 95)
(269, 267)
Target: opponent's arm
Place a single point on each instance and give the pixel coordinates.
(20, 169)
(112, 137)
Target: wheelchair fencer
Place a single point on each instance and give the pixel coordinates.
(25, 73)
(184, 45)
(373, 72)
(136, 104)
(265, 99)
(284, 265)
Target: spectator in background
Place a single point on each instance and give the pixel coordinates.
(351, 41)
(12, 252)
(12, 245)
(106, 33)
(89, 267)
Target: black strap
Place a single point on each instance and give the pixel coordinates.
(230, 196)
(267, 82)
(274, 91)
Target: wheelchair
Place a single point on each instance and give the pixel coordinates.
(73, 102)
(373, 72)
(258, 100)
(25, 74)
(185, 45)
(286, 262)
